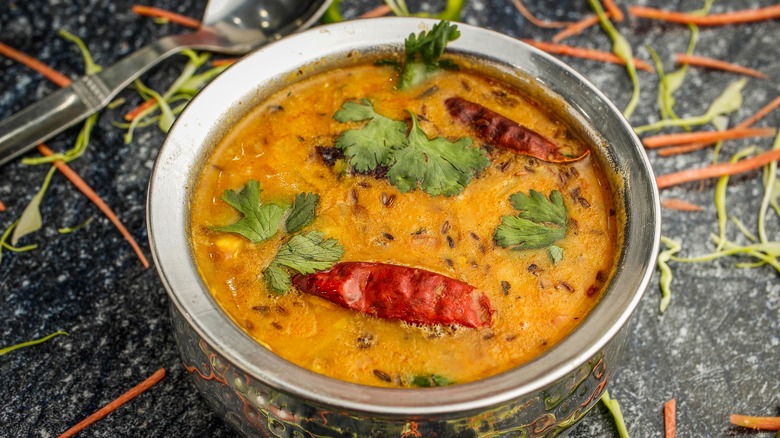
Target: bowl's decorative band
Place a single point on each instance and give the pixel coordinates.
(230, 391)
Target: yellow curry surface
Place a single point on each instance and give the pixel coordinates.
(535, 302)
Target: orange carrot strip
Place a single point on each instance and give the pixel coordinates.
(576, 28)
(670, 414)
(537, 22)
(717, 170)
(733, 17)
(657, 141)
(221, 62)
(761, 423)
(702, 61)
(760, 114)
(27, 60)
(173, 17)
(143, 106)
(2, 206)
(116, 404)
(379, 11)
(581, 52)
(679, 205)
(87, 190)
(613, 10)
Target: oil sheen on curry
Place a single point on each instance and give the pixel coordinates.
(402, 231)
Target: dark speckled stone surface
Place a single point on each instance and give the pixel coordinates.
(717, 348)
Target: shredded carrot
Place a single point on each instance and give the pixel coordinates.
(581, 52)
(613, 10)
(2, 206)
(733, 17)
(717, 170)
(761, 423)
(143, 106)
(379, 11)
(657, 141)
(702, 61)
(576, 28)
(537, 22)
(90, 193)
(680, 205)
(225, 61)
(116, 404)
(173, 17)
(670, 414)
(760, 114)
(27, 60)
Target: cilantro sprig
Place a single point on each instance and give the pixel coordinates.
(304, 253)
(540, 223)
(438, 166)
(260, 222)
(373, 144)
(423, 52)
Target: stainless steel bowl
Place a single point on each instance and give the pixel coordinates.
(260, 393)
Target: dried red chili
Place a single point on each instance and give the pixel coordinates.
(505, 133)
(399, 292)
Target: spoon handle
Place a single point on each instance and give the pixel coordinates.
(85, 96)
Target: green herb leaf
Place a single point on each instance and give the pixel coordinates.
(423, 52)
(430, 380)
(277, 278)
(540, 223)
(440, 167)
(302, 211)
(309, 252)
(537, 208)
(372, 145)
(260, 222)
(556, 253)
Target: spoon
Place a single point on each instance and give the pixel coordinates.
(228, 26)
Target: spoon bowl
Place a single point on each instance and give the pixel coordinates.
(228, 26)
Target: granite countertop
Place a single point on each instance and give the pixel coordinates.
(716, 350)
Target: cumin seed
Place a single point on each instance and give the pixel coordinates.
(445, 227)
(276, 325)
(388, 236)
(383, 376)
(505, 286)
(474, 236)
(450, 242)
(261, 309)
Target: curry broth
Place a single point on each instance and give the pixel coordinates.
(535, 302)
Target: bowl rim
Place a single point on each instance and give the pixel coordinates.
(194, 133)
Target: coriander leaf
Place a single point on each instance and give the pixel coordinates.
(423, 52)
(372, 145)
(277, 278)
(556, 253)
(309, 252)
(537, 208)
(541, 222)
(260, 222)
(428, 381)
(302, 211)
(440, 167)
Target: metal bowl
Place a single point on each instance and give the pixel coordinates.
(259, 393)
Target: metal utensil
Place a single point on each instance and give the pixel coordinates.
(228, 26)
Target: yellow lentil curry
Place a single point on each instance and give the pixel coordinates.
(288, 147)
